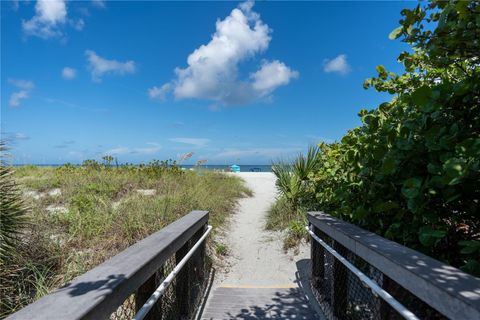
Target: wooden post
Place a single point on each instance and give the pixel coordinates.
(391, 287)
(183, 282)
(339, 287)
(199, 262)
(318, 262)
(144, 292)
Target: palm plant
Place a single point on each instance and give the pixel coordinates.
(12, 208)
(288, 183)
(306, 164)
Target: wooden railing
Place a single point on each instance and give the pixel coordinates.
(425, 287)
(119, 287)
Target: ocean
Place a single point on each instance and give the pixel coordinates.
(243, 168)
(220, 167)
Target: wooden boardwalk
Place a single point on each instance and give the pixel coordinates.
(258, 303)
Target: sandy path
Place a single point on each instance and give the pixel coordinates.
(256, 255)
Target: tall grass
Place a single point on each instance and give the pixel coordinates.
(99, 211)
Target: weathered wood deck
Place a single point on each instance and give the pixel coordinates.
(258, 303)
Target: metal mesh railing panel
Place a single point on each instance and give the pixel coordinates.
(182, 297)
(126, 310)
(342, 295)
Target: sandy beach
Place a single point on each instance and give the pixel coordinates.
(257, 257)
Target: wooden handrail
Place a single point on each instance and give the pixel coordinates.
(448, 290)
(98, 292)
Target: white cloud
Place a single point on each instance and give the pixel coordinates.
(49, 16)
(77, 24)
(69, 73)
(99, 3)
(20, 136)
(22, 84)
(99, 66)
(15, 5)
(159, 93)
(338, 64)
(272, 75)
(152, 149)
(23, 93)
(197, 142)
(117, 151)
(212, 71)
(259, 153)
(17, 97)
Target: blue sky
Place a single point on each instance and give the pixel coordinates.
(229, 81)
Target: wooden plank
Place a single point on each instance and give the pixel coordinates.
(264, 303)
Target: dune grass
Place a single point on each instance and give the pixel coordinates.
(81, 216)
(282, 216)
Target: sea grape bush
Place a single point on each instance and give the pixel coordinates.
(411, 171)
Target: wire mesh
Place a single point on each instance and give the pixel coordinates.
(126, 310)
(182, 297)
(342, 295)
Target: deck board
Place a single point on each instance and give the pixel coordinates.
(258, 303)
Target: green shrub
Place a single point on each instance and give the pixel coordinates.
(411, 171)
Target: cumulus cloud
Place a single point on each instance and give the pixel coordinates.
(69, 73)
(271, 76)
(99, 66)
(196, 142)
(212, 71)
(338, 65)
(49, 16)
(23, 93)
(159, 93)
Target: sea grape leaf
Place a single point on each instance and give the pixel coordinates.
(395, 33)
(411, 187)
(428, 236)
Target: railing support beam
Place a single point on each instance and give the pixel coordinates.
(183, 281)
(144, 293)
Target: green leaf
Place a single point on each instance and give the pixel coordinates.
(429, 237)
(421, 96)
(455, 169)
(389, 165)
(395, 33)
(472, 266)
(411, 188)
(385, 206)
(470, 246)
(382, 72)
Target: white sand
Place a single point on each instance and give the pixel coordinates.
(147, 192)
(257, 257)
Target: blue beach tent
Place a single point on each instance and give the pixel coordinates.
(235, 168)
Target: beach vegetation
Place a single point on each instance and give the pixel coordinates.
(82, 215)
(410, 172)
